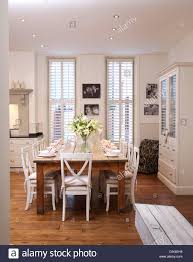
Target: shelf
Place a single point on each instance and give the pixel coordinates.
(20, 91)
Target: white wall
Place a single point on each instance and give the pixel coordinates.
(92, 69)
(22, 68)
(4, 126)
(147, 71)
(183, 51)
(42, 93)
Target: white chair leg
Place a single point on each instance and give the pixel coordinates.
(53, 197)
(89, 198)
(28, 197)
(31, 195)
(87, 206)
(107, 198)
(64, 206)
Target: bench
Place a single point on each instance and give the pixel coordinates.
(162, 225)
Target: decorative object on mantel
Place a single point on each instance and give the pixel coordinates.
(84, 127)
(91, 90)
(22, 85)
(151, 105)
(18, 85)
(12, 84)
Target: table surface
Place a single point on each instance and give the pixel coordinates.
(98, 156)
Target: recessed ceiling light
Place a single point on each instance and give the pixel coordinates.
(114, 29)
(42, 46)
(181, 25)
(34, 35)
(21, 19)
(110, 38)
(116, 16)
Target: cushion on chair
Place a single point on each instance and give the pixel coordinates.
(76, 182)
(128, 173)
(115, 181)
(129, 170)
(33, 176)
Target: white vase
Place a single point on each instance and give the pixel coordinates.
(12, 84)
(17, 85)
(22, 85)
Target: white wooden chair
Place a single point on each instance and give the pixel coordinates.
(126, 150)
(30, 184)
(38, 146)
(130, 178)
(130, 152)
(123, 146)
(76, 183)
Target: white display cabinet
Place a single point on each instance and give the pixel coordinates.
(176, 128)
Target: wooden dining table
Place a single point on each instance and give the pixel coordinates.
(100, 162)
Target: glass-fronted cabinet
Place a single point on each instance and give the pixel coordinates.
(172, 106)
(163, 106)
(168, 106)
(175, 163)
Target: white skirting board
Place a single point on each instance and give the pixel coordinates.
(177, 190)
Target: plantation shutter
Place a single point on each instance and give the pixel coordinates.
(61, 97)
(120, 99)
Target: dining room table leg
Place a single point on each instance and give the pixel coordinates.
(40, 189)
(95, 196)
(121, 188)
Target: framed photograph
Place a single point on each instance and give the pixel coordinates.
(151, 109)
(151, 91)
(91, 110)
(91, 90)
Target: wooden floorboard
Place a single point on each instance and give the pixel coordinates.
(103, 229)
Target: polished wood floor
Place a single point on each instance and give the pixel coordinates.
(112, 228)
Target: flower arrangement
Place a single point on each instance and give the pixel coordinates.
(83, 126)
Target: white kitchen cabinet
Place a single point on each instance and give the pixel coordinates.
(176, 128)
(15, 149)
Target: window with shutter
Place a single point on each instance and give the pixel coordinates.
(120, 99)
(61, 97)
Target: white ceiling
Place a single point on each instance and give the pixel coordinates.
(160, 24)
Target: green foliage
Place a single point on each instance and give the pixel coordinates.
(83, 126)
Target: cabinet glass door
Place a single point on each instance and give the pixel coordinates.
(163, 105)
(172, 106)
